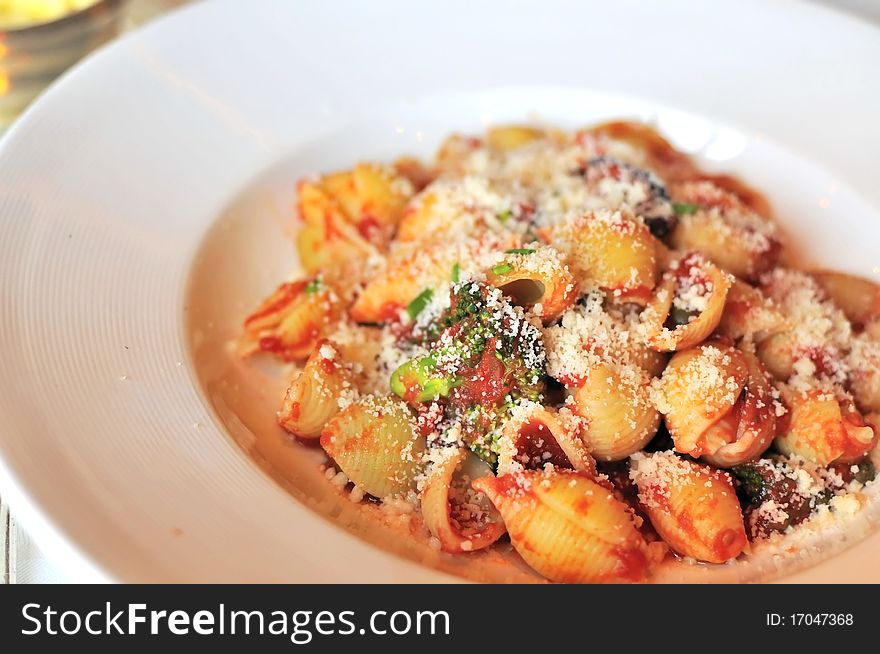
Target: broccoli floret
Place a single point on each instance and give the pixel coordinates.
(773, 480)
(752, 481)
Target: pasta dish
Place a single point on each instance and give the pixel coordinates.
(577, 341)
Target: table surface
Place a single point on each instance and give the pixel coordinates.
(21, 560)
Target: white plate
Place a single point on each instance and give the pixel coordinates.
(111, 451)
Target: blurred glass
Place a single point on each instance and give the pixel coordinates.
(31, 56)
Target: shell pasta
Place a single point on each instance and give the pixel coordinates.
(574, 351)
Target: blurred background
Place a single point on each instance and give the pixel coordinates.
(39, 40)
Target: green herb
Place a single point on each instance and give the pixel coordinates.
(684, 208)
(502, 269)
(456, 273)
(520, 251)
(313, 286)
(418, 305)
(504, 216)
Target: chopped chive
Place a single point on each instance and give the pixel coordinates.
(502, 269)
(684, 208)
(504, 216)
(415, 307)
(313, 286)
(520, 251)
(456, 272)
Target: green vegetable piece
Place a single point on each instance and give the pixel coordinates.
(418, 305)
(679, 316)
(684, 208)
(502, 269)
(456, 273)
(417, 381)
(313, 286)
(752, 481)
(520, 251)
(504, 216)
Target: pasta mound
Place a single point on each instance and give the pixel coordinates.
(579, 340)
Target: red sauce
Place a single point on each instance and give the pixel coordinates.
(428, 418)
(411, 390)
(508, 486)
(369, 227)
(389, 312)
(487, 383)
(821, 358)
(690, 267)
(289, 350)
(537, 445)
(283, 296)
(582, 506)
(632, 564)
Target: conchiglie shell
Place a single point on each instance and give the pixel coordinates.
(697, 330)
(776, 352)
(329, 237)
(651, 361)
(700, 386)
(414, 267)
(861, 435)
(694, 509)
(619, 257)
(620, 416)
(312, 399)
(313, 255)
(748, 313)
(568, 528)
(659, 154)
(551, 286)
(361, 349)
(316, 207)
(437, 501)
(823, 429)
(348, 215)
(371, 196)
(718, 404)
(744, 193)
(374, 443)
(400, 283)
(290, 321)
(511, 137)
(538, 438)
(858, 298)
(723, 244)
(421, 220)
(748, 430)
